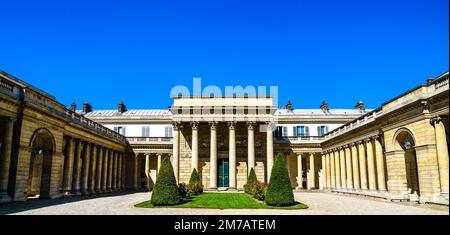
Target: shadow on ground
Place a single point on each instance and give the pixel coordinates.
(15, 207)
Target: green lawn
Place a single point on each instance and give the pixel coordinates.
(224, 201)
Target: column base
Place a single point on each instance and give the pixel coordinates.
(299, 188)
(4, 197)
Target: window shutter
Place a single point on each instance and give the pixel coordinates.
(123, 131)
(319, 131)
(295, 131)
(306, 130)
(326, 130)
(284, 130)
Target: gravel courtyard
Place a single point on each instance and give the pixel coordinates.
(320, 203)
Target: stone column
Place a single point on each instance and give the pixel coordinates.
(362, 164)
(77, 163)
(312, 171)
(85, 168)
(68, 164)
(232, 141)
(442, 154)
(333, 173)
(147, 170)
(251, 146)
(328, 162)
(175, 150)
(379, 157)
(159, 162)
(337, 168)
(343, 168)
(356, 182)
(92, 168)
(119, 171)
(98, 179)
(323, 172)
(269, 150)
(371, 165)
(136, 171)
(213, 160)
(5, 160)
(299, 171)
(194, 164)
(348, 166)
(110, 169)
(104, 187)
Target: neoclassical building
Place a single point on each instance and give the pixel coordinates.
(398, 151)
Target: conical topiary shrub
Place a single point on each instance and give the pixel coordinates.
(195, 186)
(165, 191)
(250, 181)
(279, 192)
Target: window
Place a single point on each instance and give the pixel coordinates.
(120, 129)
(285, 131)
(145, 131)
(322, 130)
(168, 131)
(301, 131)
(278, 131)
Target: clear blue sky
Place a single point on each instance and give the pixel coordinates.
(136, 51)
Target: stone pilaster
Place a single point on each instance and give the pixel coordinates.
(379, 157)
(371, 165)
(362, 164)
(5, 160)
(232, 145)
(442, 154)
(213, 153)
(68, 164)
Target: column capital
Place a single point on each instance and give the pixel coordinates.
(436, 120)
(175, 125)
(251, 125)
(352, 144)
(195, 125)
(232, 125)
(213, 125)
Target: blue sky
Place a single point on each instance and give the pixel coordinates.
(136, 51)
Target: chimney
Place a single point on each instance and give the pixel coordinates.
(324, 106)
(360, 106)
(121, 107)
(289, 106)
(73, 107)
(87, 108)
(430, 80)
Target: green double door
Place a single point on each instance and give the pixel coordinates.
(223, 172)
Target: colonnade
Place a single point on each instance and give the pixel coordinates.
(355, 166)
(92, 168)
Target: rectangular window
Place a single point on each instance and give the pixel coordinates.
(120, 129)
(285, 131)
(168, 131)
(322, 130)
(145, 131)
(301, 131)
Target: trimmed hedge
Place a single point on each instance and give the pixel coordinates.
(195, 186)
(279, 192)
(251, 180)
(165, 192)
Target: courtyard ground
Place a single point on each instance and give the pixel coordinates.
(320, 203)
